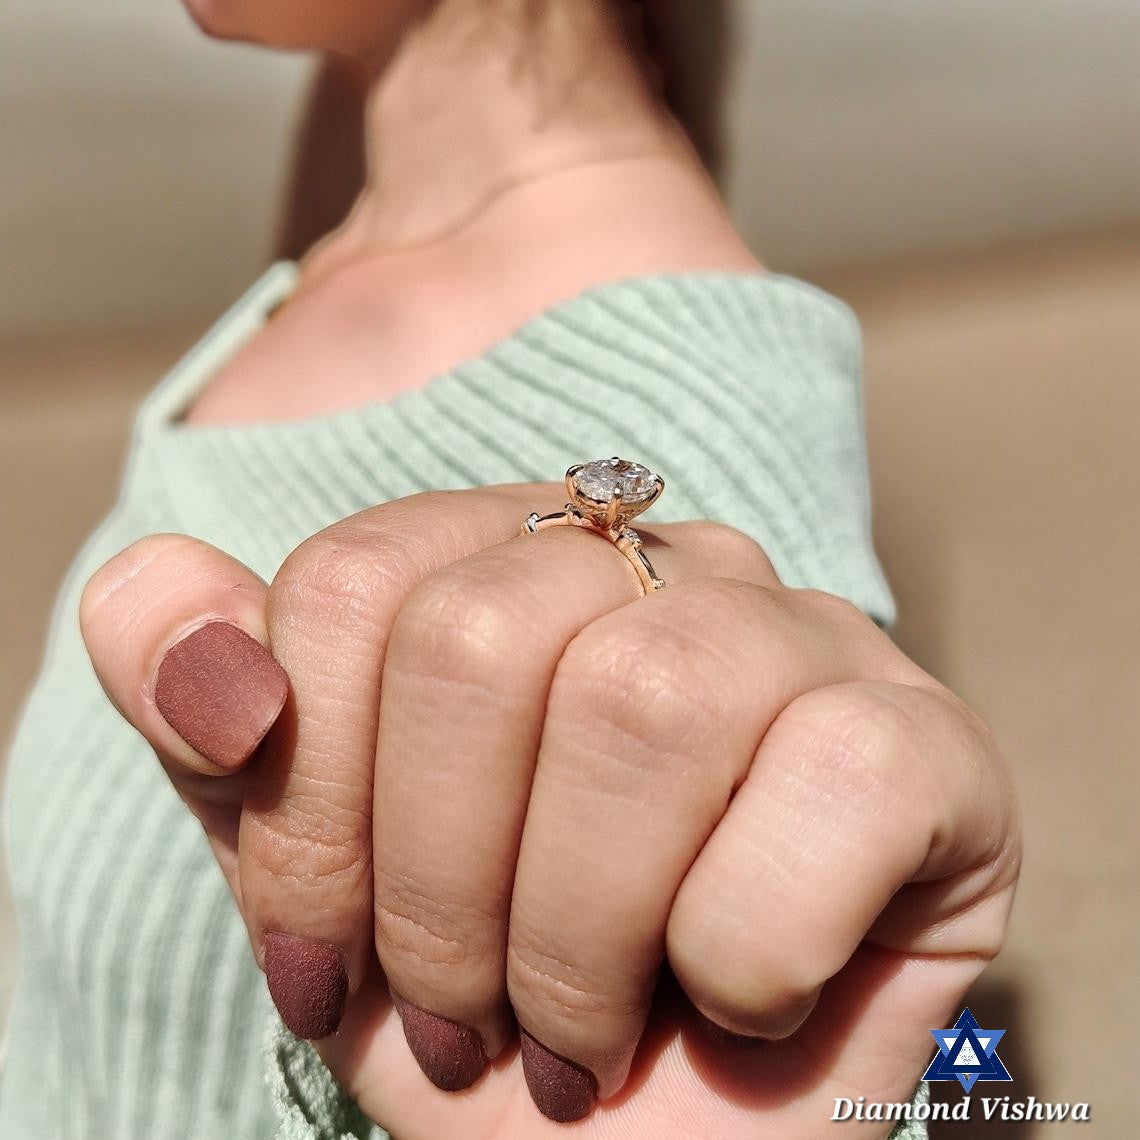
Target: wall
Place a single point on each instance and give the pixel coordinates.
(139, 165)
(140, 161)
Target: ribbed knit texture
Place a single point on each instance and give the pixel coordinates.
(140, 1014)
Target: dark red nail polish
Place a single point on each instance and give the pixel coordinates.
(450, 1053)
(308, 982)
(562, 1090)
(221, 691)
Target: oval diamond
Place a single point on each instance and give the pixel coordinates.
(602, 478)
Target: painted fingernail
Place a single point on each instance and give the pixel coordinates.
(308, 983)
(450, 1053)
(562, 1090)
(726, 1037)
(220, 690)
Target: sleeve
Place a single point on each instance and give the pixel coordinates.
(309, 1103)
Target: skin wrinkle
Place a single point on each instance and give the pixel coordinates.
(405, 886)
(531, 957)
(488, 694)
(414, 928)
(569, 997)
(318, 788)
(583, 780)
(859, 749)
(812, 792)
(906, 875)
(330, 803)
(347, 573)
(318, 864)
(335, 848)
(336, 599)
(724, 709)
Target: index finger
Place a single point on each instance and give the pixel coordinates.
(305, 839)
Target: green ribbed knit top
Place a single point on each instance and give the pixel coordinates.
(139, 1013)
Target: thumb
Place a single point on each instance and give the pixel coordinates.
(175, 630)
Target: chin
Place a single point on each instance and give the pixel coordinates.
(303, 24)
(349, 26)
(218, 18)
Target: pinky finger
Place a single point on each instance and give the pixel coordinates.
(872, 811)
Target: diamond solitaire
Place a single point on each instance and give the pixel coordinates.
(612, 491)
(604, 495)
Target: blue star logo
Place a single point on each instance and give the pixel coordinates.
(966, 1053)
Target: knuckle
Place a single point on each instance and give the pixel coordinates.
(340, 567)
(831, 606)
(459, 625)
(653, 684)
(732, 553)
(847, 626)
(857, 737)
(973, 726)
(428, 928)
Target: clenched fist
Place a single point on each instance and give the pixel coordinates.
(462, 780)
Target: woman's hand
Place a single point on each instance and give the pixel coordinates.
(523, 789)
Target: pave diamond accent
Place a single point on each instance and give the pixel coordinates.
(600, 479)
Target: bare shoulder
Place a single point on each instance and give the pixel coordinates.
(367, 323)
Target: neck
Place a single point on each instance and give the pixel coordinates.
(483, 98)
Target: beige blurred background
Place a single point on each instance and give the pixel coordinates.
(966, 174)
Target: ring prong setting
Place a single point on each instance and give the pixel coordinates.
(605, 494)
